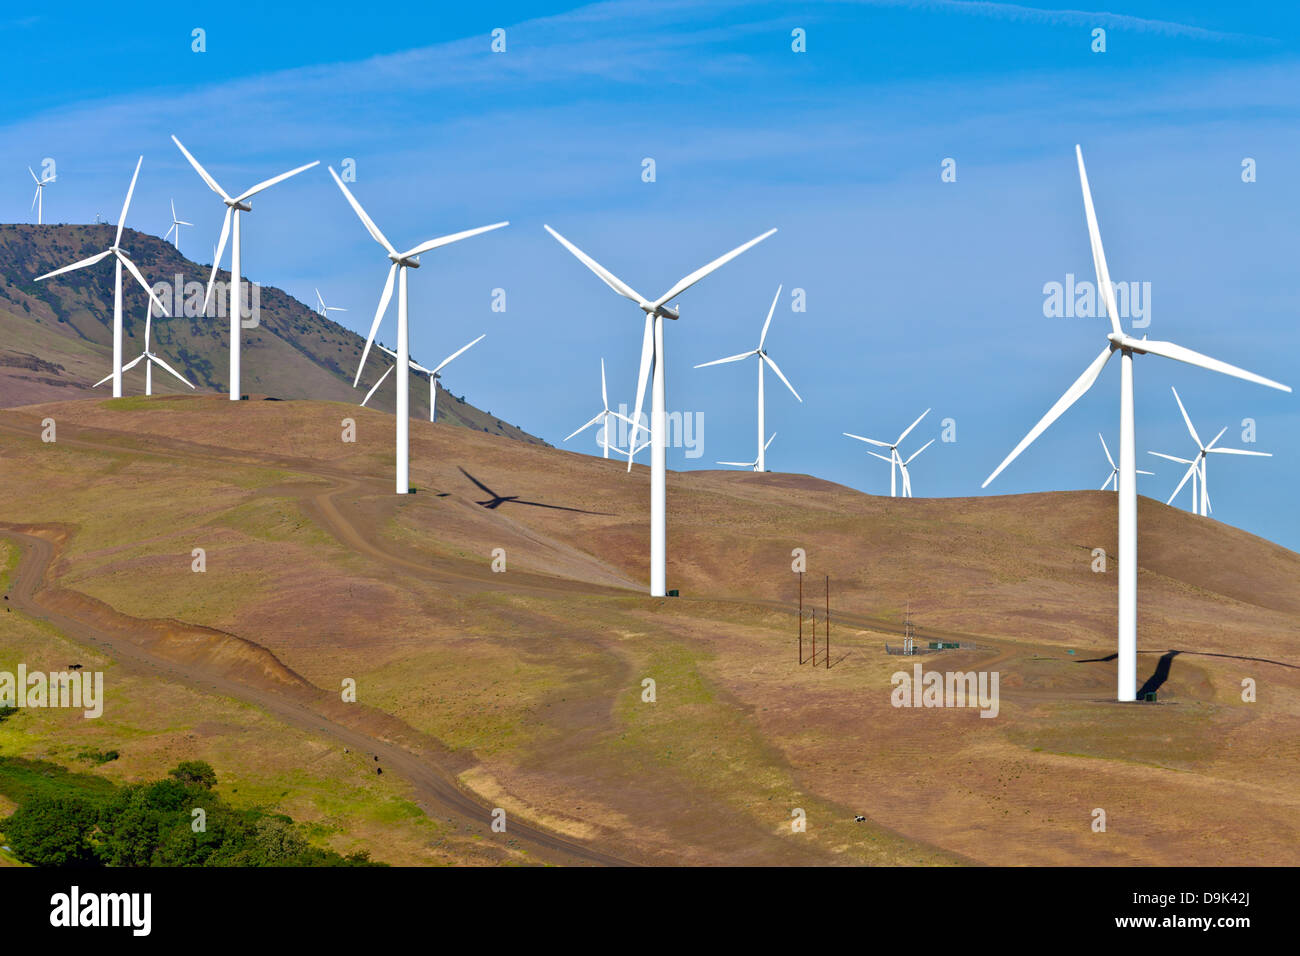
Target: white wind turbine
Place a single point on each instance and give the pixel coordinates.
(230, 228)
(324, 309)
(149, 359)
(401, 262)
(1197, 467)
(756, 464)
(434, 374)
(652, 358)
(760, 464)
(38, 201)
(176, 228)
(603, 416)
(894, 459)
(1113, 477)
(121, 260)
(1127, 346)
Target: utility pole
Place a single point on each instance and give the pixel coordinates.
(800, 617)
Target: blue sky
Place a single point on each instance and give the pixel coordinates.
(920, 293)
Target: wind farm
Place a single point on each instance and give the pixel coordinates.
(352, 630)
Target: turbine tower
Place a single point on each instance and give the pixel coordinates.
(1197, 467)
(121, 260)
(230, 228)
(38, 201)
(148, 357)
(894, 458)
(176, 228)
(1127, 347)
(760, 463)
(652, 361)
(602, 417)
(401, 261)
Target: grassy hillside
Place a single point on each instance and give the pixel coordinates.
(528, 684)
(56, 335)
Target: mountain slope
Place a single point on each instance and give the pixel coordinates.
(56, 335)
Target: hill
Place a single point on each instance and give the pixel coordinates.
(498, 633)
(57, 339)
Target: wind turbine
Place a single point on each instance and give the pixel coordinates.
(38, 200)
(894, 458)
(652, 357)
(1113, 477)
(401, 262)
(603, 417)
(1127, 346)
(760, 464)
(324, 309)
(1197, 466)
(176, 228)
(149, 359)
(230, 227)
(757, 463)
(121, 260)
(432, 373)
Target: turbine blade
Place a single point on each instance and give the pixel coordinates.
(320, 300)
(34, 176)
(738, 464)
(579, 431)
(703, 271)
(379, 315)
(918, 451)
(869, 441)
(1106, 484)
(604, 393)
(729, 358)
(1187, 474)
(133, 363)
(910, 427)
(203, 173)
(1141, 472)
(456, 354)
(102, 380)
(1098, 253)
(1186, 418)
(374, 388)
(361, 214)
(1160, 454)
(605, 276)
(1107, 451)
(647, 354)
(887, 458)
(763, 338)
(769, 443)
(248, 193)
(130, 267)
(1239, 451)
(779, 374)
(1072, 395)
(448, 240)
(121, 220)
(77, 265)
(1215, 439)
(216, 257)
(1180, 354)
(161, 364)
